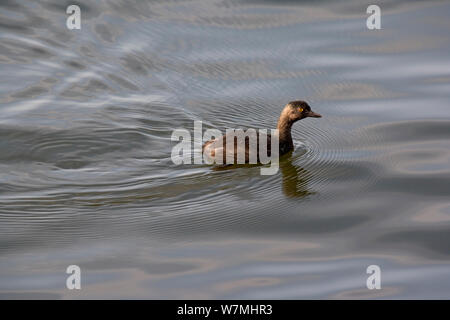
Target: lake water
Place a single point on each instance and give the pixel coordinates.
(86, 118)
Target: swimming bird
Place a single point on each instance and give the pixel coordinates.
(291, 113)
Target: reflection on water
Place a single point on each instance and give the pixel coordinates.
(294, 179)
(85, 143)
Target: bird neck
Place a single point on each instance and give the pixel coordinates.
(284, 131)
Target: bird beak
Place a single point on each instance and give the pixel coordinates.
(313, 115)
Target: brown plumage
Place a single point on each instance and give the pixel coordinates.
(292, 112)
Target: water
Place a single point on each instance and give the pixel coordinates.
(87, 179)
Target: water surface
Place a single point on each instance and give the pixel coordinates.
(86, 118)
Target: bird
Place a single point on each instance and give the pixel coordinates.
(291, 113)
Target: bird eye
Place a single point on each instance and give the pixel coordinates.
(300, 109)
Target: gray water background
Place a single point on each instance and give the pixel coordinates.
(86, 118)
